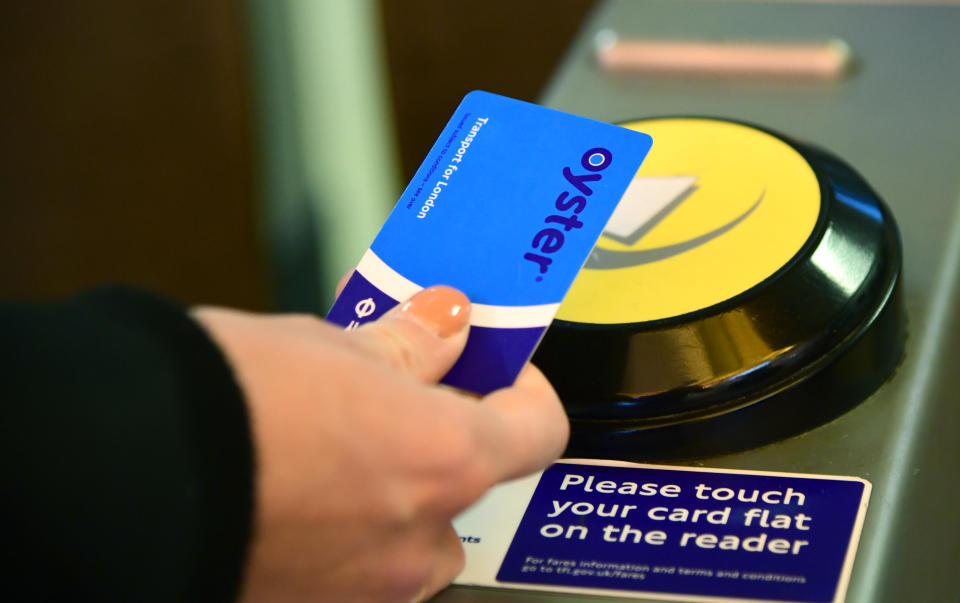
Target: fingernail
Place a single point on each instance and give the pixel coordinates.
(444, 310)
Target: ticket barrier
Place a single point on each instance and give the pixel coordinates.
(778, 290)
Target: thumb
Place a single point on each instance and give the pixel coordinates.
(423, 336)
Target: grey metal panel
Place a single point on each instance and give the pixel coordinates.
(896, 120)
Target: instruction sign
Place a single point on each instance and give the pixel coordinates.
(690, 534)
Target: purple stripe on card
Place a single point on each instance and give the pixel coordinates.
(493, 358)
(359, 303)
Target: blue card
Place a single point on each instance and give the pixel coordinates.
(506, 207)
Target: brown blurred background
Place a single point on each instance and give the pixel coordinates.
(127, 131)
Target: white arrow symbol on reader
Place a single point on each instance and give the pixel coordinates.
(647, 201)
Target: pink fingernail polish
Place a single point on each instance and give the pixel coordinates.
(444, 310)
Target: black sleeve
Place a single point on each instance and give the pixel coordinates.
(126, 454)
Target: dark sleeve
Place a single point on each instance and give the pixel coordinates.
(126, 454)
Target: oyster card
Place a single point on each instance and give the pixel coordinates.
(506, 207)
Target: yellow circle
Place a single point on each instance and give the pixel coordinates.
(715, 209)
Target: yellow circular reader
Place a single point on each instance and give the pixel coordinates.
(717, 208)
(745, 289)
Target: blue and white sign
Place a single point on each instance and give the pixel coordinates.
(683, 533)
(506, 207)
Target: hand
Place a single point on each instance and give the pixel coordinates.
(362, 461)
